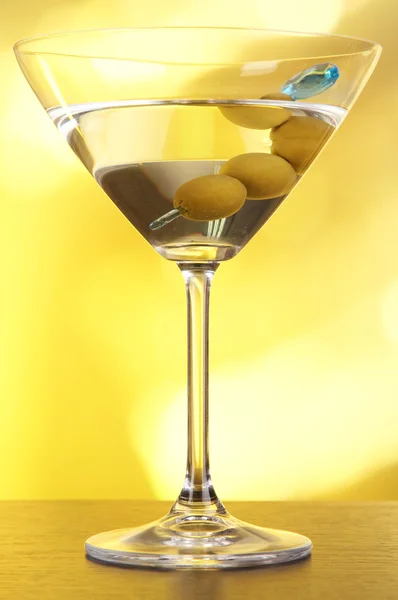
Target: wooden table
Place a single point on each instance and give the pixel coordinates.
(355, 554)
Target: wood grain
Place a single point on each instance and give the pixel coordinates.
(355, 554)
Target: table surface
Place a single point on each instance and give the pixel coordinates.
(42, 557)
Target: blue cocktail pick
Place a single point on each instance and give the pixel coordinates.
(311, 82)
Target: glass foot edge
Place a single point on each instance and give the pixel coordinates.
(110, 548)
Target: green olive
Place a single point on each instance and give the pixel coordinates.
(210, 197)
(263, 175)
(258, 117)
(277, 96)
(299, 140)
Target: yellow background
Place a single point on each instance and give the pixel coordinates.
(304, 349)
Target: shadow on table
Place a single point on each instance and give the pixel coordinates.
(230, 584)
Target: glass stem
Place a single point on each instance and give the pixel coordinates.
(198, 491)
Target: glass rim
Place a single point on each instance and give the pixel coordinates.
(18, 46)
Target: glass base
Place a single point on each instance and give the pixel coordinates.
(197, 542)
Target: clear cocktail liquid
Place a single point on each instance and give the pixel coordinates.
(140, 153)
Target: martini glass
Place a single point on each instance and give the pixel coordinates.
(197, 135)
